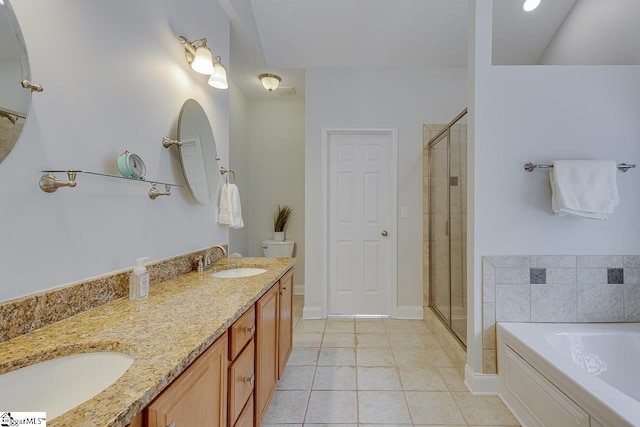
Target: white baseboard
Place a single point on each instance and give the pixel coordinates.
(480, 384)
(298, 289)
(409, 312)
(312, 312)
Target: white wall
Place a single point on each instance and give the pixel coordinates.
(239, 161)
(597, 32)
(276, 131)
(267, 153)
(13, 94)
(383, 97)
(538, 114)
(115, 78)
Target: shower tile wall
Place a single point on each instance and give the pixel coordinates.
(458, 216)
(9, 133)
(556, 288)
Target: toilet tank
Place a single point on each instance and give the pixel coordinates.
(278, 249)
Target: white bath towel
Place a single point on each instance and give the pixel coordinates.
(229, 209)
(584, 188)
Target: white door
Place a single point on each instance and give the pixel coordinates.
(361, 207)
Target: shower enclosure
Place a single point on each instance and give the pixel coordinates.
(445, 219)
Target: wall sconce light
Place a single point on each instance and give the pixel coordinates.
(201, 60)
(269, 81)
(218, 78)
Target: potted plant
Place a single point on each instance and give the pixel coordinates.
(280, 218)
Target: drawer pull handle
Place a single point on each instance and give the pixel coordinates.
(284, 289)
(250, 330)
(250, 379)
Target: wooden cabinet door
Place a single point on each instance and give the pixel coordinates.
(266, 351)
(246, 416)
(198, 397)
(137, 421)
(241, 381)
(285, 321)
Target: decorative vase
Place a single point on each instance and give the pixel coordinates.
(278, 236)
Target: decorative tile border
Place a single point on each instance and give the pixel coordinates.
(564, 288)
(24, 315)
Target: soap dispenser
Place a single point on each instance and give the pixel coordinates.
(139, 280)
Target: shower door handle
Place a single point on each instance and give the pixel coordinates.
(384, 233)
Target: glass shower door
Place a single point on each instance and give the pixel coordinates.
(447, 158)
(439, 239)
(458, 226)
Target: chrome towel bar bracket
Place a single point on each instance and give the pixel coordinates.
(530, 167)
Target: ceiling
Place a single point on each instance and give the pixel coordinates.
(521, 37)
(285, 37)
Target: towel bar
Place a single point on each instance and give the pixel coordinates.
(530, 167)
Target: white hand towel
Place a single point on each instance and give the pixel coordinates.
(585, 188)
(229, 209)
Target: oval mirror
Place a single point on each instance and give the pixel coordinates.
(14, 67)
(198, 154)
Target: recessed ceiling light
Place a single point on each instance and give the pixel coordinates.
(530, 5)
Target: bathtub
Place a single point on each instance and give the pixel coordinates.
(555, 374)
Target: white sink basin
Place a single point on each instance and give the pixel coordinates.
(58, 385)
(234, 273)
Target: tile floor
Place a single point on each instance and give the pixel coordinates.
(353, 372)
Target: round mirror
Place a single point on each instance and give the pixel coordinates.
(198, 154)
(14, 67)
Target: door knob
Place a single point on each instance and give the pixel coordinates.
(384, 233)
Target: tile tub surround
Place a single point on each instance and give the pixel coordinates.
(165, 332)
(556, 288)
(26, 314)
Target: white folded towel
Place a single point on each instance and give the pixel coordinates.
(584, 188)
(229, 209)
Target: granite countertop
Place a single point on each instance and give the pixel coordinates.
(165, 333)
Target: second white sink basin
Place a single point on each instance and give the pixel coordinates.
(234, 273)
(58, 385)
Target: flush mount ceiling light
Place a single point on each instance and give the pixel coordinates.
(269, 81)
(530, 5)
(201, 60)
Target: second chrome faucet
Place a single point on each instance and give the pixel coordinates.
(207, 255)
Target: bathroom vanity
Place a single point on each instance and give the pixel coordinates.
(202, 346)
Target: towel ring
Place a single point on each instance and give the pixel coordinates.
(228, 172)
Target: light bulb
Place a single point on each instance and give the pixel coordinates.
(218, 77)
(202, 61)
(530, 5)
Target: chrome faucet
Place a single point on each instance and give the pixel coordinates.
(207, 255)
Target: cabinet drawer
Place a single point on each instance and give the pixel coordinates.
(241, 381)
(246, 417)
(241, 332)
